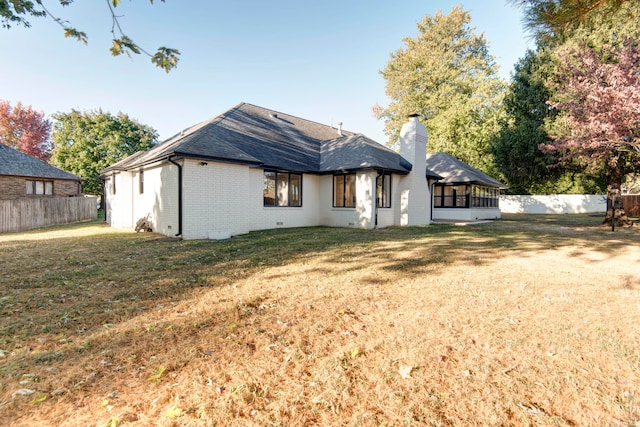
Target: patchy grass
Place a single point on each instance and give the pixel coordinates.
(525, 321)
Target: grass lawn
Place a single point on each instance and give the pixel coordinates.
(531, 320)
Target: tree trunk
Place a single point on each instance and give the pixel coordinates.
(615, 216)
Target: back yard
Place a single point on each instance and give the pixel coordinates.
(523, 321)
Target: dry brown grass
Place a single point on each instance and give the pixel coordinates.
(524, 321)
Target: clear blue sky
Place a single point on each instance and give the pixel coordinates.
(318, 60)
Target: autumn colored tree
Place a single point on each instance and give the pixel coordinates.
(17, 12)
(447, 76)
(25, 129)
(599, 128)
(87, 142)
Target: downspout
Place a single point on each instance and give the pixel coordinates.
(103, 201)
(431, 186)
(179, 195)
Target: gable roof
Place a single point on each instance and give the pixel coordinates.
(258, 136)
(454, 171)
(16, 163)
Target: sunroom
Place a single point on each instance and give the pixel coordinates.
(464, 193)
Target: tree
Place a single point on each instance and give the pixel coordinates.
(515, 149)
(446, 75)
(17, 12)
(551, 17)
(25, 130)
(87, 142)
(599, 129)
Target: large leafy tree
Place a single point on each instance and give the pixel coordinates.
(599, 129)
(593, 70)
(18, 12)
(524, 167)
(87, 142)
(25, 129)
(447, 76)
(515, 149)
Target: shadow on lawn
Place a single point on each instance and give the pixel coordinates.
(117, 275)
(68, 292)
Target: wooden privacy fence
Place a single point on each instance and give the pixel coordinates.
(631, 204)
(27, 213)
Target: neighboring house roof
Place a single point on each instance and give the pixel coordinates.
(254, 135)
(454, 171)
(16, 163)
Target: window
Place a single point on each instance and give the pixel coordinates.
(141, 182)
(383, 191)
(39, 188)
(344, 191)
(113, 185)
(484, 197)
(464, 196)
(282, 189)
(451, 196)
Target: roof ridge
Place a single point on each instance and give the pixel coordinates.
(296, 117)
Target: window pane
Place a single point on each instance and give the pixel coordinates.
(48, 188)
(437, 195)
(282, 180)
(383, 191)
(39, 187)
(350, 191)
(30, 187)
(269, 191)
(387, 191)
(295, 190)
(448, 196)
(141, 178)
(460, 196)
(338, 190)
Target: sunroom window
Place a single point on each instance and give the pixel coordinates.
(464, 196)
(451, 196)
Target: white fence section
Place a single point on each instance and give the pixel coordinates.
(554, 204)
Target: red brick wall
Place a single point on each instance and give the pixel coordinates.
(13, 187)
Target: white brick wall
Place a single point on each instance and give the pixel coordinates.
(463, 214)
(362, 216)
(264, 218)
(216, 199)
(223, 199)
(119, 205)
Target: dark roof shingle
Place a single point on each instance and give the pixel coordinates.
(16, 163)
(453, 171)
(254, 135)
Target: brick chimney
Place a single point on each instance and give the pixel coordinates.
(414, 189)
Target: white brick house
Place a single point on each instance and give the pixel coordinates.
(252, 169)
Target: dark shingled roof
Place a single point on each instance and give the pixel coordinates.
(254, 135)
(359, 152)
(16, 163)
(454, 171)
